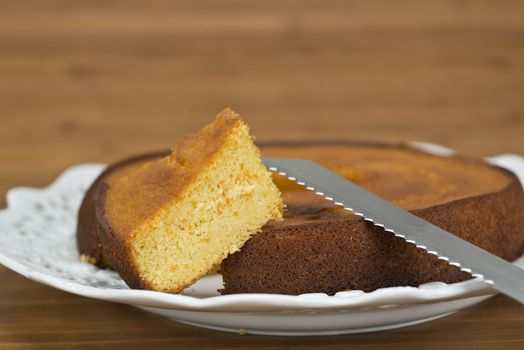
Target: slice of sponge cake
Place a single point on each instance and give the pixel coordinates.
(165, 224)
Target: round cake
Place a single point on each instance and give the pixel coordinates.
(323, 248)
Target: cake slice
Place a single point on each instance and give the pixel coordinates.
(167, 223)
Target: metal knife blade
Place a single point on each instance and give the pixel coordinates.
(503, 276)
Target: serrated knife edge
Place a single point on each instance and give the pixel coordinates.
(503, 276)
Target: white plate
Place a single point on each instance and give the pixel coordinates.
(37, 240)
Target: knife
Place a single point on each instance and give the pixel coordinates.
(500, 274)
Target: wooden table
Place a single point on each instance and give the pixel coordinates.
(93, 81)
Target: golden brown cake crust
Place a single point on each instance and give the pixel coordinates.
(320, 249)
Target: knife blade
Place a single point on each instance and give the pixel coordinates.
(500, 274)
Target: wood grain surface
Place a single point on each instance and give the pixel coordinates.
(94, 81)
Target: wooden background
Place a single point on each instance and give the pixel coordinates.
(93, 81)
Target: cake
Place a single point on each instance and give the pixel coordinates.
(164, 223)
(322, 248)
